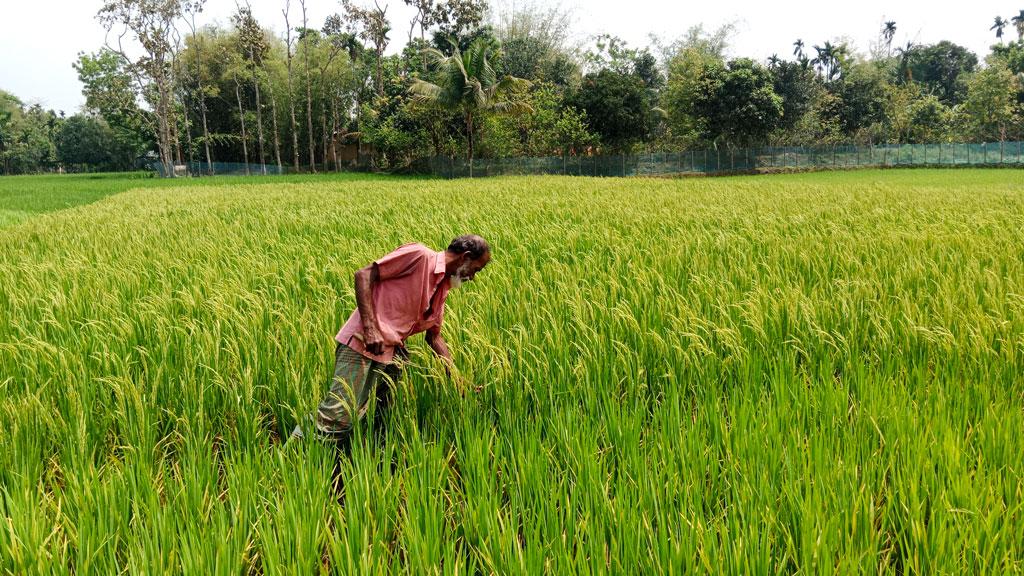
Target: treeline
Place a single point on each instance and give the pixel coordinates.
(476, 82)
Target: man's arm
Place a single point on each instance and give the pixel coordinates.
(440, 347)
(366, 279)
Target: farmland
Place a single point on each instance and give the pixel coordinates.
(816, 373)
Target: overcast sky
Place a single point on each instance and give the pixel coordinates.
(39, 39)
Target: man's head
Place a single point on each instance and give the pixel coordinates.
(466, 255)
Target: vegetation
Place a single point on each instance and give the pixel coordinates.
(812, 373)
(307, 97)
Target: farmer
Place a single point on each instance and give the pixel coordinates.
(397, 296)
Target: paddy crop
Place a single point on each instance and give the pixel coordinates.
(795, 374)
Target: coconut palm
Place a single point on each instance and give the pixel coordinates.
(798, 49)
(999, 25)
(468, 84)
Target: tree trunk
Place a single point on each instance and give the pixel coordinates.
(188, 129)
(334, 132)
(309, 97)
(273, 116)
(323, 131)
(259, 119)
(380, 72)
(291, 91)
(202, 111)
(469, 136)
(241, 118)
(309, 121)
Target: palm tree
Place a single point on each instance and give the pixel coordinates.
(798, 49)
(998, 27)
(1018, 22)
(823, 60)
(888, 32)
(774, 61)
(468, 84)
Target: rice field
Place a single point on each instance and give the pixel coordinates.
(800, 374)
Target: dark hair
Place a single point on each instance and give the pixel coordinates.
(475, 245)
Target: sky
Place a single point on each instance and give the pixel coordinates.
(39, 39)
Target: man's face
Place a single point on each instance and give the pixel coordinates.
(468, 269)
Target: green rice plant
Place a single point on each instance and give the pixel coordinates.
(817, 373)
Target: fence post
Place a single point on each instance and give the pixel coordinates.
(940, 152)
(1000, 151)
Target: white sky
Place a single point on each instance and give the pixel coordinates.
(39, 39)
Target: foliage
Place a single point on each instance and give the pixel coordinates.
(992, 111)
(738, 103)
(550, 129)
(942, 68)
(617, 107)
(468, 84)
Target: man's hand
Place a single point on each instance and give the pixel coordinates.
(373, 339)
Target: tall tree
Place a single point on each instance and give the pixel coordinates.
(152, 24)
(942, 69)
(468, 84)
(195, 68)
(999, 26)
(291, 91)
(307, 38)
(991, 109)
(373, 26)
(253, 47)
(888, 33)
(738, 103)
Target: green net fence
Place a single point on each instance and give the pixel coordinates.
(738, 160)
(243, 169)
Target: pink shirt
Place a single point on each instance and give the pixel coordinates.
(407, 280)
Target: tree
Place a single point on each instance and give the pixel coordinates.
(291, 92)
(738, 103)
(26, 136)
(87, 142)
(798, 87)
(468, 84)
(687, 60)
(552, 128)
(998, 26)
(111, 92)
(617, 106)
(373, 27)
(860, 101)
(252, 45)
(930, 120)
(830, 59)
(888, 33)
(195, 73)
(1018, 23)
(991, 109)
(152, 24)
(424, 17)
(942, 68)
(459, 23)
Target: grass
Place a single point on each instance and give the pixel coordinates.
(814, 373)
